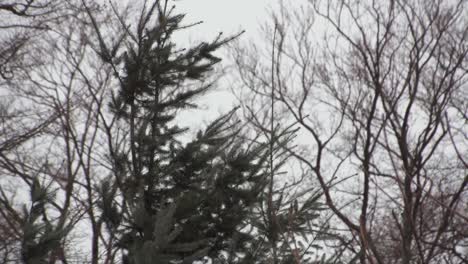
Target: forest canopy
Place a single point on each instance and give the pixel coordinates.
(347, 142)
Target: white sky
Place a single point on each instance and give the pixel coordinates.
(228, 16)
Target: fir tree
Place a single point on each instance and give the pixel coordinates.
(171, 201)
(42, 237)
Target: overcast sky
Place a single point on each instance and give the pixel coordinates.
(228, 16)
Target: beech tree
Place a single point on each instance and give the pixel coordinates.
(378, 90)
(28, 233)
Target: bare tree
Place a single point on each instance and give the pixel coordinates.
(379, 92)
(23, 21)
(51, 146)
